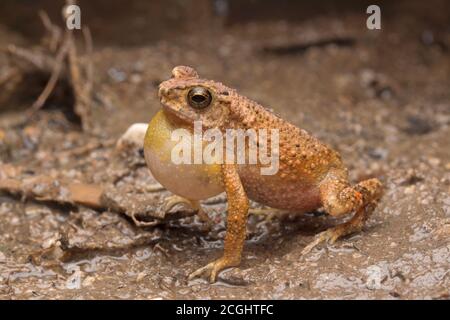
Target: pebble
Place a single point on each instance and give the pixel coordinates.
(74, 281)
(375, 277)
(88, 281)
(2, 257)
(410, 189)
(135, 78)
(117, 75)
(141, 276)
(434, 162)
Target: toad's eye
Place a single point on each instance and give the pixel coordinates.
(199, 98)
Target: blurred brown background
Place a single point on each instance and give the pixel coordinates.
(380, 97)
(136, 22)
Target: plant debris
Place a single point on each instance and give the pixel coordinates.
(58, 56)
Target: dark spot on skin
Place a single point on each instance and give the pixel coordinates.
(225, 93)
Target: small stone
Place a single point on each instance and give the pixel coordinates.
(376, 275)
(378, 153)
(447, 201)
(117, 75)
(141, 276)
(410, 189)
(418, 126)
(434, 162)
(135, 78)
(2, 257)
(88, 281)
(51, 241)
(374, 166)
(443, 231)
(74, 281)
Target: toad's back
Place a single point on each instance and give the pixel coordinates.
(303, 163)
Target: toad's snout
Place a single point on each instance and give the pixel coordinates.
(162, 92)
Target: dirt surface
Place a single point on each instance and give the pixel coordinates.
(381, 98)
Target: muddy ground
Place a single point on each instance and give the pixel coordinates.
(382, 98)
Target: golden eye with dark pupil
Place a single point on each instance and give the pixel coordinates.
(199, 98)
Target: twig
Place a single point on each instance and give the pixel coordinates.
(88, 148)
(90, 66)
(8, 75)
(140, 223)
(82, 99)
(39, 61)
(40, 101)
(81, 79)
(97, 197)
(53, 30)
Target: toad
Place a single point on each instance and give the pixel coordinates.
(310, 174)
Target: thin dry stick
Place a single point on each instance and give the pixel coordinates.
(74, 69)
(36, 60)
(40, 101)
(53, 30)
(90, 66)
(8, 75)
(73, 63)
(81, 79)
(143, 223)
(81, 100)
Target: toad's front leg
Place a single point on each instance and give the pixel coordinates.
(236, 225)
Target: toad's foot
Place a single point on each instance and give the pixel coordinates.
(175, 200)
(236, 226)
(333, 234)
(330, 236)
(340, 198)
(212, 269)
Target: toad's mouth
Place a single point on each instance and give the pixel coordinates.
(175, 113)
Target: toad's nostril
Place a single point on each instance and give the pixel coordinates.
(162, 91)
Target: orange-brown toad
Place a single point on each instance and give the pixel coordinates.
(310, 174)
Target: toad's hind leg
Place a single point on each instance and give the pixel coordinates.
(339, 198)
